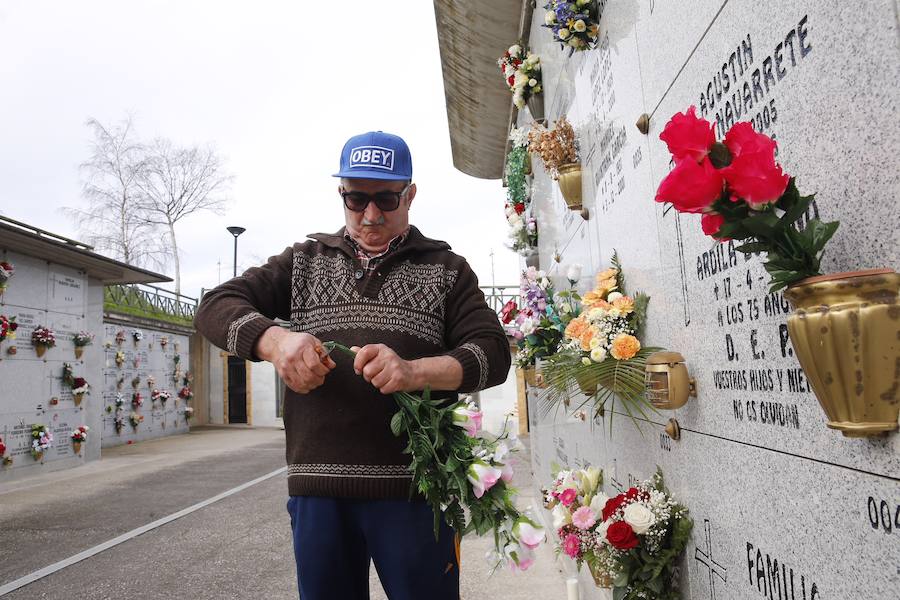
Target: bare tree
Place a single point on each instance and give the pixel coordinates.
(113, 222)
(176, 182)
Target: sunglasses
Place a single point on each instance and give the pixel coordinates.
(385, 201)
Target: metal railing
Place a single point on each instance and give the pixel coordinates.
(150, 299)
(498, 295)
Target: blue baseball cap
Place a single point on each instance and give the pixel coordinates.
(376, 155)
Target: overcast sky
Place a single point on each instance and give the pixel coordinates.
(277, 87)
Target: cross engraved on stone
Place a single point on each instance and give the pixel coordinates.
(706, 559)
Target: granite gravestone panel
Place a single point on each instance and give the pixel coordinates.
(159, 361)
(761, 473)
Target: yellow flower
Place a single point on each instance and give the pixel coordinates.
(625, 304)
(607, 274)
(579, 25)
(624, 346)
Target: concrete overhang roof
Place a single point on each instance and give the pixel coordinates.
(472, 34)
(25, 239)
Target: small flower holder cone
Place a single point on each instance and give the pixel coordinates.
(79, 351)
(76, 447)
(845, 333)
(38, 456)
(535, 104)
(40, 350)
(78, 398)
(570, 185)
(7, 461)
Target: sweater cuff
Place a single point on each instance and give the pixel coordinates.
(475, 367)
(243, 333)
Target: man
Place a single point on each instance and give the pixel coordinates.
(414, 312)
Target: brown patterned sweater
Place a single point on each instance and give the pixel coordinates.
(422, 300)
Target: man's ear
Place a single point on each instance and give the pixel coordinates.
(410, 194)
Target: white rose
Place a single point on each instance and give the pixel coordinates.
(595, 343)
(639, 517)
(586, 361)
(598, 502)
(580, 26)
(545, 283)
(573, 273)
(600, 532)
(598, 355)
(514, 49)
(549, 17)
(561, 516)
(613, 296)
(532, 82)
(519, 101)
(575, 42)
(563, 33)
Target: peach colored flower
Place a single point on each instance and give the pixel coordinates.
(624, 346)
(625, 304)
(605, 286)
(607, 274)
(595, 299)
(586, 338)
(575, 328)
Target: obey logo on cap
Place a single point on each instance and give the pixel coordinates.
(374, 157)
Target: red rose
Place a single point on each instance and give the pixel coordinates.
(621, 536)
(711, 223)
(2, 448)
(632, 493)
(508, 312)
(511, 80)
(753, 174)
(691, 187)
(688, 136)
(519, 208)
(612, 505)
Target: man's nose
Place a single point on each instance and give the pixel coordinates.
(373, 213)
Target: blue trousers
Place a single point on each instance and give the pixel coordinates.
(335, 538)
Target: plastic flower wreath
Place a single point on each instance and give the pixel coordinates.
(521, 71)
(574, 25)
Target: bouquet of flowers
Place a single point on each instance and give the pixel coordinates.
(556, 147)
(743, 194)
(2, 451)
(41, 440)
(80, 434)
(456, 466)
(161, 395)
(137, 400)
(119, 422)
(137, 335)
(164, 341)
(188, 412)
(135, 419)
(523, 232)
(538, 325)
(136, 381)
(574, 23)
(80, 386)
(120, 336)
(188, 379)
(82, 338)
(120, 401)
(632, 543)
(8, 327)
(522, 72)
(43, 337)
(601, 351)
(185, 393)
(120, 358)
(7, 270)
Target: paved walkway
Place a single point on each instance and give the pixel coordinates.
(236, 547)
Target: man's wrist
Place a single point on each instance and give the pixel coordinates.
(267, 342)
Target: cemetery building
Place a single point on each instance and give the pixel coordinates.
(784, 505)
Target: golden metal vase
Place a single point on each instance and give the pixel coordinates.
(845, 330)
(570, 184)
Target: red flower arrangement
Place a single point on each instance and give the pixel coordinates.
(743, 194)
(8, 327)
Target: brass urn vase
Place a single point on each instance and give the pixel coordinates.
(570, 184)
(845, 330)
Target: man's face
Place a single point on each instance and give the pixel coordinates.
(374, 228)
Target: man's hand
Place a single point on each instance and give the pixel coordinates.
(297, 358)
(383, 368)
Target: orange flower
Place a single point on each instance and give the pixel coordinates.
(586, 337)
(575, 328)
(607, 274)
(624, 346)
(625, 304)
(595, 300)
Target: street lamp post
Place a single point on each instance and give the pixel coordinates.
(235, 231)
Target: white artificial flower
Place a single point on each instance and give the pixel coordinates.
(532, 82)
(613, 296)
(614, 313)
(563, 33)
(598, 502)
(600, 532)
(519, 101)
(573, 273)
(514, 49)
(565, 309)
(550, 17)
(575, 42)
(545, 283)
(580, 26)
(590, 479)
(533, 59)
(585, 361)
(639, 517)
(561, 516)
(596, 313)
(527, 327)
(595, 342)
(598, 355)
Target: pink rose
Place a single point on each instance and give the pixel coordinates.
(691, 187)
(711, 223)
(568, 496)
(483, 477)
(687, 136)
(584, 518)
(753, 174)
(572, 545)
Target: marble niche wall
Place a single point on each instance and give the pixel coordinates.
(784, 508)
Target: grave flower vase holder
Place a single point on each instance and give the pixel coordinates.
(587, 382)
(78, 398)
(535, 105)
(38, 456)
(532, 258)
(40, 350)
(601, 580)
(76, 447)
(79, 351)
(570, 184)
(845, 330)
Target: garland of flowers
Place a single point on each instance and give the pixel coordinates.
(601, 351)
(630, 542)
(521, 71)
(574, 24)
(743, 194)
(457, 467)
(522, 226)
